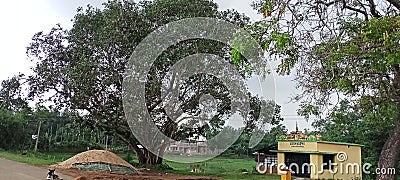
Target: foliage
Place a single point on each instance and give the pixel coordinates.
(226, 168)
(14, 130)
(278, 44)
(162, 167)
(361, 65)
(347, 50)
(11, 96)
(241, 147)
(348, 124)
(18, 122)
(83, 67)
(355, 67)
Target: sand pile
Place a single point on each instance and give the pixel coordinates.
(93, 156)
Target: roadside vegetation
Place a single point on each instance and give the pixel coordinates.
(346, 55)
(223, 167)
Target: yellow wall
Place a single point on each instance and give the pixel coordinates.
(344, 169)
(308, 146)
(316, 160)
(315, 148)
(281, 158)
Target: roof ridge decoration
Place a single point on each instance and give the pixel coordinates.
(298, 136)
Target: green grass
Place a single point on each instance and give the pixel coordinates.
(226, 168)
(223, 167)
(36, 158)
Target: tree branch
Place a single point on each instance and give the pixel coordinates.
(345, 6)
(372, 7)
(395, 3)
(327, 4)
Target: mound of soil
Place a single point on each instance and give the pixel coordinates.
(68, 167)
(92, 156)
(93, 175)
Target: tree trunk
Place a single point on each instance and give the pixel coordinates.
(141, 157)
(144, 156)
(151, 159)
(391, 152)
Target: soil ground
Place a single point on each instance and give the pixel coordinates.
(92, 175)
(19, 171)
(93, 156)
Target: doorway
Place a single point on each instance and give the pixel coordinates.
(302, 161)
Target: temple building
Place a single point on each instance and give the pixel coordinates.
(184, 147)
(309, 156)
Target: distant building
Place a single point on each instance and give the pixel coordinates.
(266, 160)
(310, 157)
(185, 147)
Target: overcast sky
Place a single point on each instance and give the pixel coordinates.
(20, 20)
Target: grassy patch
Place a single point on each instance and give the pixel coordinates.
(225, 168)
(35, 158)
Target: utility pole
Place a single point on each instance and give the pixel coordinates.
(106, 142)
(37, 137)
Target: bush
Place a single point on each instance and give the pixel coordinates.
(75, 146)
(136, 164)
(163, 167)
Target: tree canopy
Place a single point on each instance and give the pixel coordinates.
(343, 49)
(83, 67)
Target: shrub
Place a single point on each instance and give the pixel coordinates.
(163, 167)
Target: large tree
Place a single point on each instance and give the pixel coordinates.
(83, 67)
(11, 94)
(340, 48)
(348, 123)
(365, 66)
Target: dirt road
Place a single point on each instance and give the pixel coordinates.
(10, 170)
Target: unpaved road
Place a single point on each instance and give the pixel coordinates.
(10, 170)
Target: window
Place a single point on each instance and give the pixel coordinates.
(271, 160)
(328, 159)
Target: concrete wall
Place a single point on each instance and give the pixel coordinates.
(308, 146)
(351, 168)
(344, 169)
